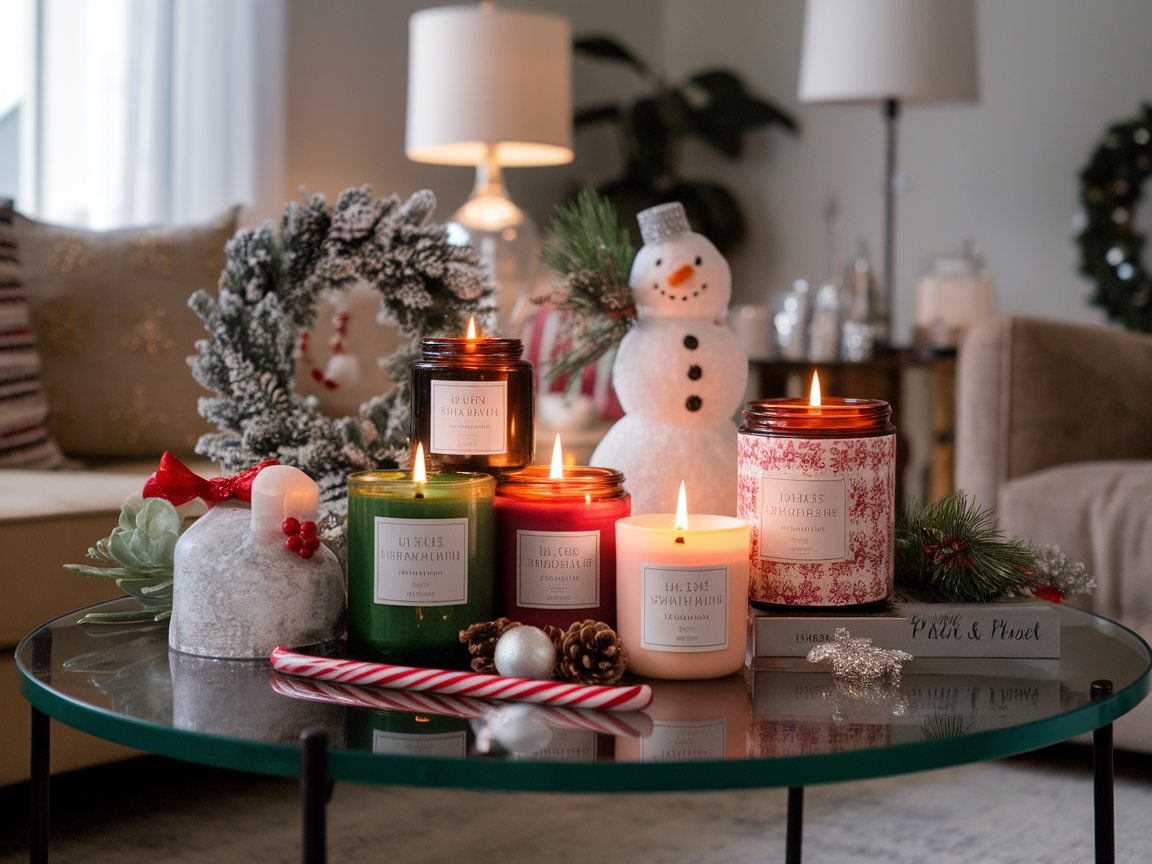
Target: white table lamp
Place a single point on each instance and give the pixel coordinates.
(491, 87)
(889, 51)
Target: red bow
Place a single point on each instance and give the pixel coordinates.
(174, 482)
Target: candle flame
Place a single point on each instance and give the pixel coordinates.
(814, 398)
(471, 328)
(682, 510)
(557, 471)
(419, 475)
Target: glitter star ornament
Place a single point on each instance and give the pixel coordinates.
(856, 660)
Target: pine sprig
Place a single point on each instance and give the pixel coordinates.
(592, 255)
(952, 551)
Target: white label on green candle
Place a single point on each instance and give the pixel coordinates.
(558, 569)
(421, 562)
(803, 520)
(684, 741)
(685, 608)
(469, 418)
(444, 745)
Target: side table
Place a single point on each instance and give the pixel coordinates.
(787, 727)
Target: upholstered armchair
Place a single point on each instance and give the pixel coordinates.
(1054, 433)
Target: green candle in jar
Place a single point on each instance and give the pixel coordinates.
(420, 564)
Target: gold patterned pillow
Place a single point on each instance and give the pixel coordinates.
(110, 311)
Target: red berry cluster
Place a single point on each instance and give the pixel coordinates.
(302, 537)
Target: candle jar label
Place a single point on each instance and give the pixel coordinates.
(567, 745)
(685, 608)
(469, 418)
(803, 520)
(443, 745)
(684, 741)
(421, 562)
(558, 569)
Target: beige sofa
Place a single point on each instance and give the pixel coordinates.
(1054, 433)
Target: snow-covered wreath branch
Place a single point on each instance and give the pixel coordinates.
(268, 295)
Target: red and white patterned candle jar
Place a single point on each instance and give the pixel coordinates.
(817, 488)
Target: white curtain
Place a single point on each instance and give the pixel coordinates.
(159, 111)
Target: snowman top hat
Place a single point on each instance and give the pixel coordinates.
(663, 222)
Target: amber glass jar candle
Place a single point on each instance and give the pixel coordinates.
(556, 544)
(817, 487)
(472, 404)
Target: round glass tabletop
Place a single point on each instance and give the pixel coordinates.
(788, 726)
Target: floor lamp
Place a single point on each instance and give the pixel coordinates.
(491, 88)
(891, 52)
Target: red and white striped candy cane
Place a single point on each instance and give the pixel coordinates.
(462, 683)
(630, 725)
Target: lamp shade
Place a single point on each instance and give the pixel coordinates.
(482, 78)
(873, 50)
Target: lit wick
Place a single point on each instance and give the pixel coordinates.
(471, 328)
(814, 398)
(419, 475)
(681, 513)
(557, 470)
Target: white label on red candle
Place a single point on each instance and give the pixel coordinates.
(469, 418)
(803, 520)
(684, 741)
(558, 569)
(685, 608)
(421, 562)
(442, 745)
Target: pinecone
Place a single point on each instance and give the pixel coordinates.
(591, 653)
(481, 640)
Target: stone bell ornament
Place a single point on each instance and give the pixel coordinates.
(680, 373)
(249, 579)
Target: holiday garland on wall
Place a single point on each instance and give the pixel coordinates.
(1111, 249)
(268, 295)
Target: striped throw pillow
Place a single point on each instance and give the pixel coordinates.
(24, 438)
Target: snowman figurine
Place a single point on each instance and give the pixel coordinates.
(680, 374)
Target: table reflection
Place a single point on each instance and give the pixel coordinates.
(693, 720)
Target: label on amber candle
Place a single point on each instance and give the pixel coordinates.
(421, 562)
(558, 569)
(685, 608)
(444, 745)
(803, 520)
(469, 418)
(567, 745)
(684, 741)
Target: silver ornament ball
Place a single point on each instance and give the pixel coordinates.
(525, 652)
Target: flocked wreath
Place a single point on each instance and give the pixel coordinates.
(268, 295)
(1111, 249)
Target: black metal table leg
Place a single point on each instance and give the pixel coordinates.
(315, 790)
(1104, 783)
(41, 751)
(795, 825)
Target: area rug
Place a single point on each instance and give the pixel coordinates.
(1030, 810)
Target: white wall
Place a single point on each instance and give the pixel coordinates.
(1054, 74)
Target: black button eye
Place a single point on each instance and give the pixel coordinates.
(658, 262)
(698, 262)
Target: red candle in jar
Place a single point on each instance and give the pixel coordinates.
(556, 543)
(817, 488)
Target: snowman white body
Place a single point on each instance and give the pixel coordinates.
(680, 375)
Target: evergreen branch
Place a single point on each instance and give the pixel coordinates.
(952, 551)
(592, 255)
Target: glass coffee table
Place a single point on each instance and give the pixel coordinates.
(786, 726)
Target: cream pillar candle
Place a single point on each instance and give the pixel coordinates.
(682, 593)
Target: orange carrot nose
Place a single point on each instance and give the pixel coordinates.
(681, 275)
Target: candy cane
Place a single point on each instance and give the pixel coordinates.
(629, 725)
(442, 681)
